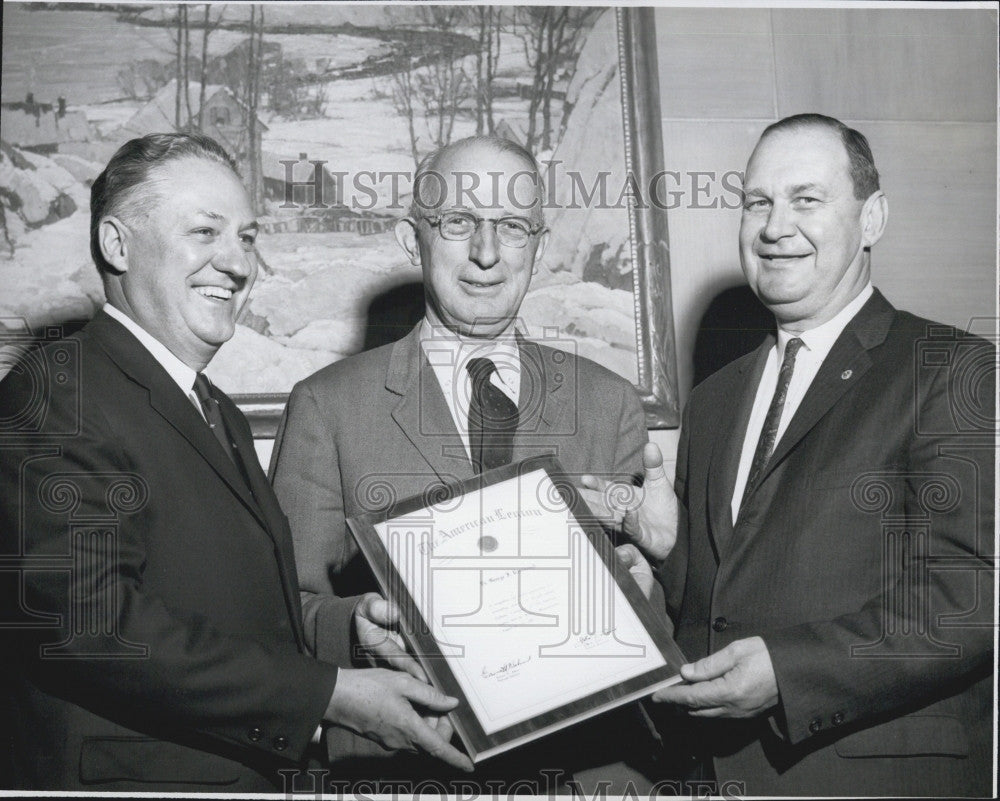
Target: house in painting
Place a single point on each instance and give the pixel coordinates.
(223, 117)
(42, 127)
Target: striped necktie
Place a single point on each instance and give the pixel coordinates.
(769, 433)
(213, 414)
(492, 419)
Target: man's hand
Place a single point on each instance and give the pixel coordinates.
(646, 515)
(375, 621)
(386, 706)
(736, 682)
(629, 556)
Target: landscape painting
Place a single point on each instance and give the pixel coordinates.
(326, 108)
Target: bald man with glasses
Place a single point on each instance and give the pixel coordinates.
(462, 393)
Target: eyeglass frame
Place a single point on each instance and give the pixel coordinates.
(435, 222)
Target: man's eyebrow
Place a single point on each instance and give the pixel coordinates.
(212, 215)
(803, 188)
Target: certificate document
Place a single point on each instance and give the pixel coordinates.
(513, 602)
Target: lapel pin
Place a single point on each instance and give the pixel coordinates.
(846, 374)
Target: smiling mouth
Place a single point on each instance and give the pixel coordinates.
(480, 284)
(784, 256)
(214, 292)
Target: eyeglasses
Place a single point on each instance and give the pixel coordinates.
(460, 225)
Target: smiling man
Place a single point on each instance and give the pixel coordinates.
(463, 392)
(153, 629)
(833, 569)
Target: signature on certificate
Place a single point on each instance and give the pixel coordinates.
(507, 668)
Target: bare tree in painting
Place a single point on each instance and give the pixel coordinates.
(182, 12)
(403, 96)
(552, 37)
(179, 61)
(140, 80)
(487, 20)
(434, 85)
(255, 64)
(206, 30)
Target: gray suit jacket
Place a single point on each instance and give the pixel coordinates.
(372, 429)
(375, 428)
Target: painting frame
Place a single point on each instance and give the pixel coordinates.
(656, 354)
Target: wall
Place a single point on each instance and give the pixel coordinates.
(921, 84)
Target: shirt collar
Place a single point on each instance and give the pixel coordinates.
(819, 340)
(444, 346)
(182, 375)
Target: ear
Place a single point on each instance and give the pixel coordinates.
(406, 236)
(543, 243)
(874, 216)
(112, 236)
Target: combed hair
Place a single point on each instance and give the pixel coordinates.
(864, 176)
(430, 162)
(117, 190)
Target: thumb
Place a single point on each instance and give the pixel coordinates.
(385, 612)
(712, 666)
(652, 462)
(379, 611)
(628, 556)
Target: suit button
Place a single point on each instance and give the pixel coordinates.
(255, 734)
(815, 725)
(720, 624)
(838, 718)
(280, 743)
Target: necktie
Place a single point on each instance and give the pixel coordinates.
(769, 433)
(492, 419)
(210, 406)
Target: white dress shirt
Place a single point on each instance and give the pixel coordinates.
(449, 353)
(816, 345)
(182, 375)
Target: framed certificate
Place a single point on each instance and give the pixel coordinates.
(513, 602)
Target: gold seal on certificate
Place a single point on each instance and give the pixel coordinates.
(513, 602)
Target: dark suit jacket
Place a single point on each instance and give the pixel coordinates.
(164, 648)
(862, 558)
(375, 428)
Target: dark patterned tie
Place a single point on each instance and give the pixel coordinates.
(769, 433)
(210, 406)
(492, 419)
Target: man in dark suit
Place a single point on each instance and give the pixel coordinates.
(405, 418)
(833, 567)
(151, 613)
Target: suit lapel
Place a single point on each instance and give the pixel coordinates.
(276, 524)
(542, 401)
(847, 361)
(169, 401)
(735, 403)
(422, 413)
